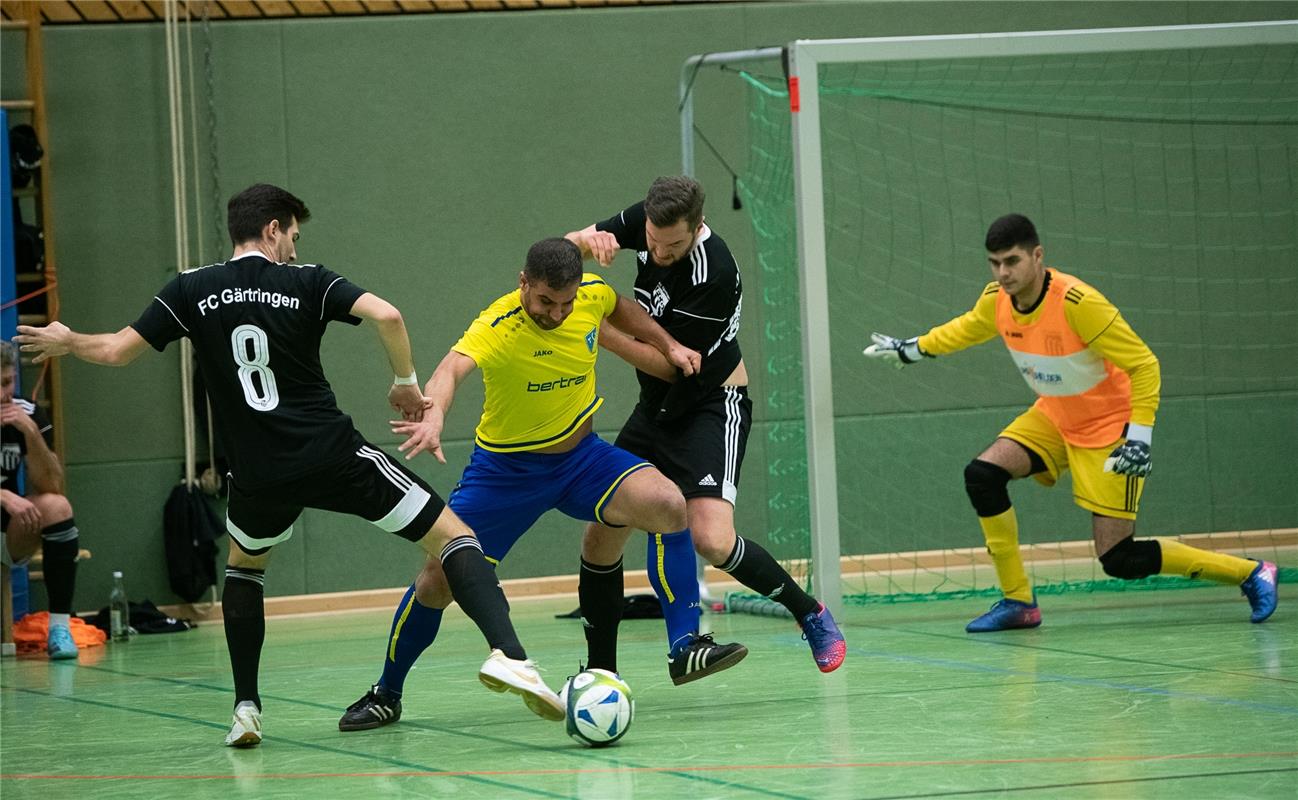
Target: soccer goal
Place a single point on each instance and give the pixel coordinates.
(1160, 165)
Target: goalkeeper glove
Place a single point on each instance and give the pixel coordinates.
(1132, 456)
(898, 352)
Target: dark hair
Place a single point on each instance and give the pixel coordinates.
(673, 199)
(8, 355)
(1009, 231)
(555, 262)
(252, 209)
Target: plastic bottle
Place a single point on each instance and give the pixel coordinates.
(119, 611)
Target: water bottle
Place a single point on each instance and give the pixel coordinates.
(119, 612)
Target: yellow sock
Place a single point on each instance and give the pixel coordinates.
(1002, 535)
(1182, 559)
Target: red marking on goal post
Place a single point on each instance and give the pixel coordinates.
(795, 102)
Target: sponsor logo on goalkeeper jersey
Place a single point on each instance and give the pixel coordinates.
(1038, 376)
(560, 383)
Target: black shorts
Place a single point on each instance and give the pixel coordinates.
(369, 484)
(703, 450)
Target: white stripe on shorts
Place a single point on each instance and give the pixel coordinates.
(248, 543)
(734, 423)
(385, 465)
(405, 511)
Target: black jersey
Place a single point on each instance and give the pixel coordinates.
(697, 300)
(13, 445)
(256, 327)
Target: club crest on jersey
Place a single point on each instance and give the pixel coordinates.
(643, 255)
(660, 301)
(590, 339)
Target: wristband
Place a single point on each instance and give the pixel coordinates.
(409, 380)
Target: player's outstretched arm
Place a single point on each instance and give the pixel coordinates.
(898, 352)
(599, 245)
(426, 434)
(404, 394)
(633, 320)
(57, 339)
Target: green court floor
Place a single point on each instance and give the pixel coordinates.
(1157, 694)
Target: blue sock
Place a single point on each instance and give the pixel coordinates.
(672, 574)
(414, 627)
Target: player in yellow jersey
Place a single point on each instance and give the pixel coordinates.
(1097, 386)
(535, 451)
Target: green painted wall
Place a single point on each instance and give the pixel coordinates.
(432, 150)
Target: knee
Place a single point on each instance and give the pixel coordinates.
(714, 548)
(431, 588)
(669, 513)
(987, 485)
(1132, 560)
(54, 508)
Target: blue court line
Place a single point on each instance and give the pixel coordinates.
(583, 753)
(1044, 677)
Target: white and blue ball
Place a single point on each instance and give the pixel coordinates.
(599, 707)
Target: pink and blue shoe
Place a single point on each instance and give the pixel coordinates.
(826, 640)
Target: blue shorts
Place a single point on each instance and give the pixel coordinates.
(501, 495)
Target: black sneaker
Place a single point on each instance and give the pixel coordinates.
(702, 657)
(376, 709)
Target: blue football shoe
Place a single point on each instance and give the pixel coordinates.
(1260, 590)
(1006, 615)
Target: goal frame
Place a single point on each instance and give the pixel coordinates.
(802, 60)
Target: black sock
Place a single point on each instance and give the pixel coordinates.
(599, 588)
(752, 566)
(60, 544)
(474, 586)
(245, 628)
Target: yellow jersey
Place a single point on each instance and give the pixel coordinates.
(539, 384)
(1092, 374)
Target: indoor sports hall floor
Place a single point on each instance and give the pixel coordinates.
(1167, 694)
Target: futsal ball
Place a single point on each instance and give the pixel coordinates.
(599, 707)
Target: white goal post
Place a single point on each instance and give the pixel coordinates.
(802, 61)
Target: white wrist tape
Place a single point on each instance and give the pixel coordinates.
(409, 380)
(1140, 433)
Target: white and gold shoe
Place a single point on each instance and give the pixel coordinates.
(246, 730)
(500, 673)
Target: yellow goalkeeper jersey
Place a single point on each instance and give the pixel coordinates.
(539, 384)
(1092, 374)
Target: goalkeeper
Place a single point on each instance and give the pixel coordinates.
(1097, 386)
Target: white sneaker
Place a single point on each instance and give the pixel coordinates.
(246, 731)
(500, 673)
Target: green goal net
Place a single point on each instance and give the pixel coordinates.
(1166, 178)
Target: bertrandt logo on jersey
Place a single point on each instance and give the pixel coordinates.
(561, 383)
(1035, 375)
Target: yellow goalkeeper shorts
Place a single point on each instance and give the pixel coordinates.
(1095, 490)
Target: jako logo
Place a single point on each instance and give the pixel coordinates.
(562, 383)
(540, 353)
